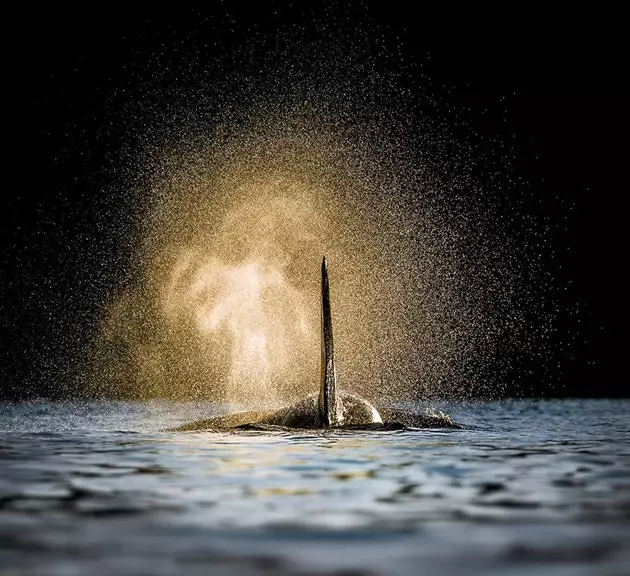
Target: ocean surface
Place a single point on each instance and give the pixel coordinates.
(526, 487)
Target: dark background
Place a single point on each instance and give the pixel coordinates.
(545, 83)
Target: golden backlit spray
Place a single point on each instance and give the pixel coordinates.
(223, 299)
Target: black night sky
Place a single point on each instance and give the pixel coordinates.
(543, 83)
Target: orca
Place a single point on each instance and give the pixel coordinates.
(331, 408)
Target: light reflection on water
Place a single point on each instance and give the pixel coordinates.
(525, 486)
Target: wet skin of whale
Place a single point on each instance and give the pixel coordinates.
(328, 409)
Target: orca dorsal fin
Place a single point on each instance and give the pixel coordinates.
(330, 408)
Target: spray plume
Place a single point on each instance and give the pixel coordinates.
(238, 203)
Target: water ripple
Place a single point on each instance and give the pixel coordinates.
(477, 499)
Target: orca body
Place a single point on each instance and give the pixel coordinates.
(330, 408)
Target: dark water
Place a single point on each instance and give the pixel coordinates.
(527, 488)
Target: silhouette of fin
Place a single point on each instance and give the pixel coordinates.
(330, 408)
